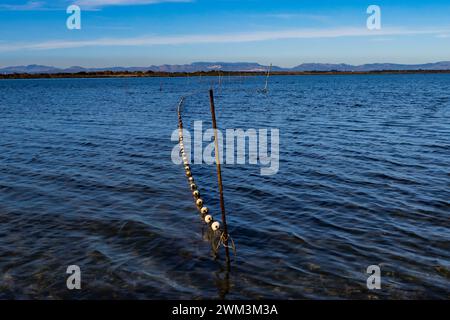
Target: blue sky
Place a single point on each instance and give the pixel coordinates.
(285, 33)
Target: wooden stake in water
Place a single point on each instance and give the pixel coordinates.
(266, 87)
(219, 173)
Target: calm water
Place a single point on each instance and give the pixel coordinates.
(86, 178)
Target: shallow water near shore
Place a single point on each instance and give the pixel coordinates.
(86, 178)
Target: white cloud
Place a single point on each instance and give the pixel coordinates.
(220, 38)
(30, 5)
(296, 16)
(105, 3)
(35, 5)
(382, 39)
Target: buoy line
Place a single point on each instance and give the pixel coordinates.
(207, 218)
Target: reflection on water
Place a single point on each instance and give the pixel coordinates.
(86, 178)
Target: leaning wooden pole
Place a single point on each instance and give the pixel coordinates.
(219, 174)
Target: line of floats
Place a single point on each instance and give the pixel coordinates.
(204, 211)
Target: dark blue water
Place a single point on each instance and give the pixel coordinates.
(86, 178)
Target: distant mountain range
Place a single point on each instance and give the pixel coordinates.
(233, 66)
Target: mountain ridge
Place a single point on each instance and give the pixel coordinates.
(232, 66)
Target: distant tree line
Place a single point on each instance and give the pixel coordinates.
(137, 74)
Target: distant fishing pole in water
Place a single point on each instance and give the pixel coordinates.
(266, 87)
(220, 81)
(217, 233)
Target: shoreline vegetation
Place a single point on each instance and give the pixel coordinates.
(215, 73)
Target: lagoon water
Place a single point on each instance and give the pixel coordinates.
(86, 179)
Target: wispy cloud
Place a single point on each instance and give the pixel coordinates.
(221, 38)
(35, 5)
(297, 16)
(105, 3)
(28, 6)
(382, 39)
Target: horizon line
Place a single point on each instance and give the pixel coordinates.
(221, 62)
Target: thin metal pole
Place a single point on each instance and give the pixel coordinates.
(219, 173)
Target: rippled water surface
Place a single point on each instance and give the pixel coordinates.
(86, 178)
